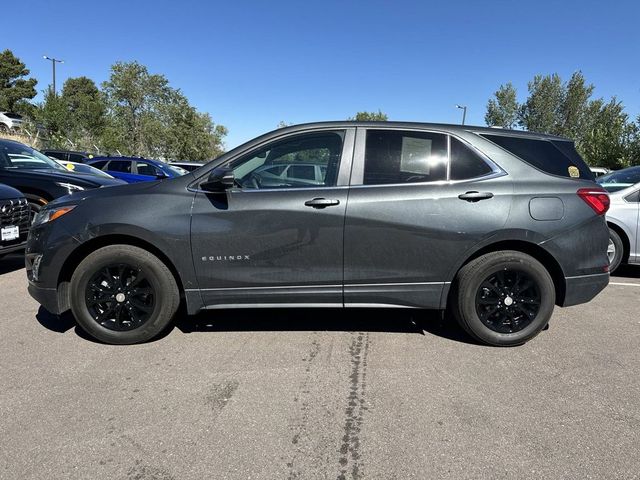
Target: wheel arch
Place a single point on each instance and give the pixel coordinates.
(626, 244)
(39, 196)
(81, 252)
(536, 251)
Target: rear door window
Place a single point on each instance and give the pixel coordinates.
(393, 156)
(556, 157)
(99, 164)
(120, 166)
(305, 172)
(465, 163)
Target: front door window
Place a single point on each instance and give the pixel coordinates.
(292, 163)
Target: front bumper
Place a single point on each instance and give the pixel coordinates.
(13, 248)
(583, 288)
(48, 298)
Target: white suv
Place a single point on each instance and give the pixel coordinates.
(10, 121)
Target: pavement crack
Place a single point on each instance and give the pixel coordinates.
(303, 398)
(350, 459)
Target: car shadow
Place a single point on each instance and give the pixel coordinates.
(325, 319)
(11, 263)
(55, 323)
(420, 322)
(628, 271)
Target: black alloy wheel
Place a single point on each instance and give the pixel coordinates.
(503, 298)
(121, 294)
(120, 297)
(508, 301)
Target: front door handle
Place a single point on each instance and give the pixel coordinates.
(321, 202)
(475, 196)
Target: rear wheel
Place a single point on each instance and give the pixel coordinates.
(503, 298)
(123, 294)
(615, 250)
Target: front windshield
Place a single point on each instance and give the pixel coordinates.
(84, 168)
(621, 178)
(16, 156)
(176, 170)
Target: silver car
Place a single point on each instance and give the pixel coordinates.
(622, 219)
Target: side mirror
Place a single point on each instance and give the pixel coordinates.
(219, 180)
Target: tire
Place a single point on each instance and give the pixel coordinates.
(489, 302)
(121, 294)
(615, 250)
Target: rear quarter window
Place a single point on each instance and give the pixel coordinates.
(555, 157)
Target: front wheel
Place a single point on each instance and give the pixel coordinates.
(121, 294)
(503, 298)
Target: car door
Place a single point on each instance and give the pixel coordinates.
(147, 171)
(267, 243)
(412, 215)
(632, 212)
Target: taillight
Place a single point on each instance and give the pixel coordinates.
(596, 197)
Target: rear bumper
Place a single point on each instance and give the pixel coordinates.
(583, 288)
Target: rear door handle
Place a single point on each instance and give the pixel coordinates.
(321, 202)
(475, 196)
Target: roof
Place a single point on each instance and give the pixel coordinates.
(437, 126)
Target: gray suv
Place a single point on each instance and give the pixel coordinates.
(498, 226)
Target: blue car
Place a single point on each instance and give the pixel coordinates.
(133, 170)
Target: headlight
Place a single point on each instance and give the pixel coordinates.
(70, 187)
(50, 214)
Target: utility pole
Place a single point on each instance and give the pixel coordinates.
(53, 64)
(464, 112)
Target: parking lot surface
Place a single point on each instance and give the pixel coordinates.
(288, 394)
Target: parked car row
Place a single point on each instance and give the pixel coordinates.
(29, 180)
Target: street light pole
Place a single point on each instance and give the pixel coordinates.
(464, 112)
(53, 63)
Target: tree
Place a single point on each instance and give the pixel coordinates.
(504, 110)
(574, 106)
(602, 132)
(133, 95)
(52, 115)
(86, 109)
(542, 110)
(605, 140)
(15, 90)
(370, 117)
(146, 117)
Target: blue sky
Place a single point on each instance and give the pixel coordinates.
(253, 64)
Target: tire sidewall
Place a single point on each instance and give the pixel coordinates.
(526, 264)
(163, 304)
(617, 242)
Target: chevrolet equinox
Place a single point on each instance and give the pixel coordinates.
(498, 226)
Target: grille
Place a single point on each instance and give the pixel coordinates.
(15, 212)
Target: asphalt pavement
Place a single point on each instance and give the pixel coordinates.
(324, 394)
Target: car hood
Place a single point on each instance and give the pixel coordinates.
(7, 192)
(114, 191)
(81, 179)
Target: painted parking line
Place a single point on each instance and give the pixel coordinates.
(625, 284)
